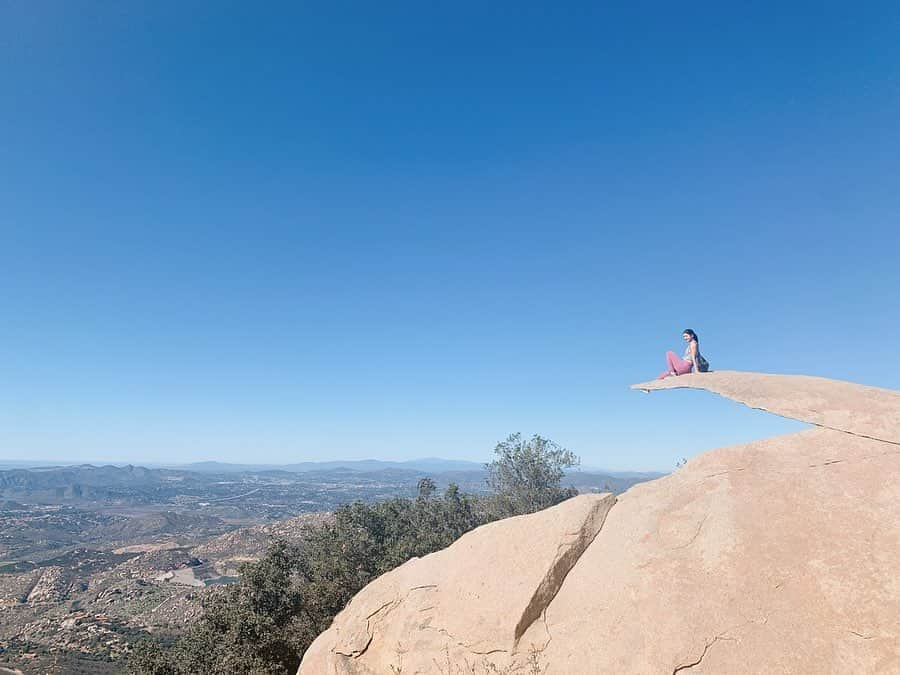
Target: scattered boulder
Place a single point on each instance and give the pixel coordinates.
(52, 586)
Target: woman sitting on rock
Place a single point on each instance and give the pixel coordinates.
(692, 359)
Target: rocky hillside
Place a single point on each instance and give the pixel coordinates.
(229, 550)
(777, 556)
(82, 613)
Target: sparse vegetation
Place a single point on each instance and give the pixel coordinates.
(534, 664)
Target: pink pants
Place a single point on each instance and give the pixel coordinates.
(677, 365)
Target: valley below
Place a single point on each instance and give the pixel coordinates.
(95, 558)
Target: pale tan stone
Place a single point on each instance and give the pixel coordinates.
(772, 557)
(470, 601)
(778, 556)
(833, 404)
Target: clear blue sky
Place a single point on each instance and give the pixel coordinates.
(282, 232)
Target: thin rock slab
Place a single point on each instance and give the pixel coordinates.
(857, 409)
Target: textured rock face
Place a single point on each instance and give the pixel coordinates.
(778, 556)
(475, 598)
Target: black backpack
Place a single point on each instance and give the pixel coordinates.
(702, 364)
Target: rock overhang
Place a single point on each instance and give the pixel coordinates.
(870, 412)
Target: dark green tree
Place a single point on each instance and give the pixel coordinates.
(426, 488)
(526, 475)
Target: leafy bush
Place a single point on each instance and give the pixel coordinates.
(526, 476)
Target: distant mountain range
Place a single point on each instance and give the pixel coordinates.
(426, 464)
(423, 465)
(315, 484)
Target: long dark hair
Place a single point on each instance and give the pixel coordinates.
(688, 331)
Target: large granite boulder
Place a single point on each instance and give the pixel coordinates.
(476, 597)
(778, 556)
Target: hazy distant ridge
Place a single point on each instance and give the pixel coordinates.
(425, 464)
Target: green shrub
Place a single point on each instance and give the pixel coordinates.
(526, 476)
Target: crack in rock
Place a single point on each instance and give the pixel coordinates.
(692, 539)
(546, 644)
(567, 555)
(706, 648)
(370, 633)
(842, 431)
(464, 645)
(828, 463)
(727, 471)
(387, 604)
(855, 459)
(371, 617)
